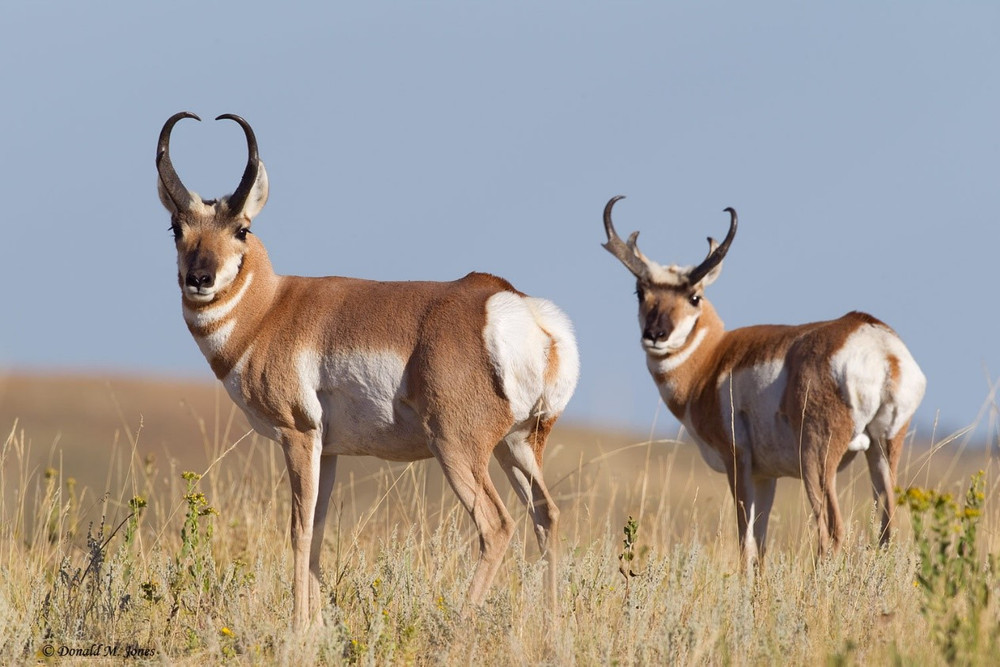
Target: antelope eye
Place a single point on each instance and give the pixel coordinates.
(694, 300)
(639, 292)
(242, 232)
(175, 229)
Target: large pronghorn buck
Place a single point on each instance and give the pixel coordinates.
(771, 401)
(400, 370)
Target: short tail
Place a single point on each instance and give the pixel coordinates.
(562, 368)
(902, 391)
(533, 351)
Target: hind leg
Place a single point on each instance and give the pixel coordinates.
(812, 480)
(520, 456)
(883, 460)
(821, 490)
(470, 478)
(835, 522)
(819, 476)
(823, 444)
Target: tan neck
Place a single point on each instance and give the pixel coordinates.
(681, 375)
(226, 326)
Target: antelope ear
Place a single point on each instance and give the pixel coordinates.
(716, 270)
(165, 199)
(168, 202)
(194, 204)
(257, 196)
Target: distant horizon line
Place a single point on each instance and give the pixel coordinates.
(939, 428)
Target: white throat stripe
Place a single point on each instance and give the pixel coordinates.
(674, 361)
(216, 313)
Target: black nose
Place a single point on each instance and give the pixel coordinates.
(655, 328)
(654, 333)
(199, 278)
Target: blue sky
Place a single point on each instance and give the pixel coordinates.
(858, 141)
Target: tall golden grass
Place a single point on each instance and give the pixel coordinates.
(108, 548)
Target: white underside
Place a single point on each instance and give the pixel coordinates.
(751, 409)
(750, 401)
(357, 399)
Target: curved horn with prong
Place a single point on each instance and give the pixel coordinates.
(296, 353)
(239, 197)
(716, 253)
(171, 182)
(627, 253)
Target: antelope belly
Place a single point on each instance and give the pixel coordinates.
(750, 403)
(359, 398)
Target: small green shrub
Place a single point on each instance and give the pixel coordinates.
(627, 555)
(956, 581)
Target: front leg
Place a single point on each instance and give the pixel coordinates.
(741, 484)
(302, 456)
(764, 488)
(327, 475)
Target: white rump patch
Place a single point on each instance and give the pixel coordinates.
(861, 368)
(558, 325)
(519, 334)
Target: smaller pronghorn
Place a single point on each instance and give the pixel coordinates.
(772, 401)
(400, 370)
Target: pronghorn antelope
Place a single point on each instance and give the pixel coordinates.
(770, 401)
(399, 370)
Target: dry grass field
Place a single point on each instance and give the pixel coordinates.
(110, 549)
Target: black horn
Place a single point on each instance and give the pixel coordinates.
(171, 182)
(625, 252)
(239, 198)
(716, 255)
